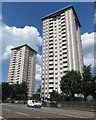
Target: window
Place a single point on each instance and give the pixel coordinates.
(56, 82)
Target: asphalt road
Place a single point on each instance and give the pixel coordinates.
(19, 112)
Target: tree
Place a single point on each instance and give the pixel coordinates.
(55, 96)
(86, 81)
(38, 90)
(5, 91)
(35, 97)
(14, 91)
(93, 87)
(71, 83)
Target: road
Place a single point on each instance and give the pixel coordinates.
(16, 112)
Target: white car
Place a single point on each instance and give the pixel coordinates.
(34, 103)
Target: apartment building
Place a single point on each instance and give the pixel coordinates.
(61, 48)
(22, 67)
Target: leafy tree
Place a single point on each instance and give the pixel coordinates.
(86, 81)
(5, 91)
(93, 87)
(55, 96)
(38, 90)
(14, 91)
(71, 83)
(35, 97)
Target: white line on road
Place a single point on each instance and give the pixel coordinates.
(37, 117)
(1, 117)
(7, 110)
(22, 113)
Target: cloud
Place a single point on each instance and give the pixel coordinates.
(6, 54)
(88, 48)
(16, 36)
(39, 59)
(38, 72)
(13, 36)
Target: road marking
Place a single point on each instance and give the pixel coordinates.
(37, 117)
(1, 117)
(7, 110)
(22, 113)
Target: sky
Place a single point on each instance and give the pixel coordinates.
(21, 23)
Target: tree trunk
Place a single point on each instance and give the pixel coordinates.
(85, 98)
(72, 95)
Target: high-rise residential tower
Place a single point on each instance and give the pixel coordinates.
(61, 48)
(22, 66)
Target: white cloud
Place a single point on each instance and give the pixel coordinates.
(14, 36)
(38, 72)
(88, 48)
(38, 76)
(6, 54)
(39, 58)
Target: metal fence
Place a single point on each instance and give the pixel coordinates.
(72, 105)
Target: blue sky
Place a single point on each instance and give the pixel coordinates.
(16, 16)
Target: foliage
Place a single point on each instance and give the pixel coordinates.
(55, 96)
(14, 91)
(38, 90)
(88, 82)
(35, 97)
(71, 83)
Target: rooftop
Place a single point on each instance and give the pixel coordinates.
(22, 46)
(60, 11)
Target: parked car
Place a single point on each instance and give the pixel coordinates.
(34, 103)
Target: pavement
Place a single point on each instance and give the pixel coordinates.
(11, 111)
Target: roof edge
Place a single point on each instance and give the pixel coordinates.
(65, 8)
(22, 46)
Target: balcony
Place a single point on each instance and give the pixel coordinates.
(51, 23)
(50, 62)
(51, 47)
(51, 29)
(50, 71)
(63, 14)
(50, 50)
(64, 43)
(63, 31)
(51, 26)
(50, 32)
(62, 17)
(64, 65)
(51, 44)
(51, 86)
(51, 36)
(51, 76)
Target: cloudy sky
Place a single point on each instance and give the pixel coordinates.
(21, 23)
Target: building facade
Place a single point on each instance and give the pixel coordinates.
(61, 48)
(22, 67)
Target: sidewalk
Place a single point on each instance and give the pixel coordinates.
(69, 113)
